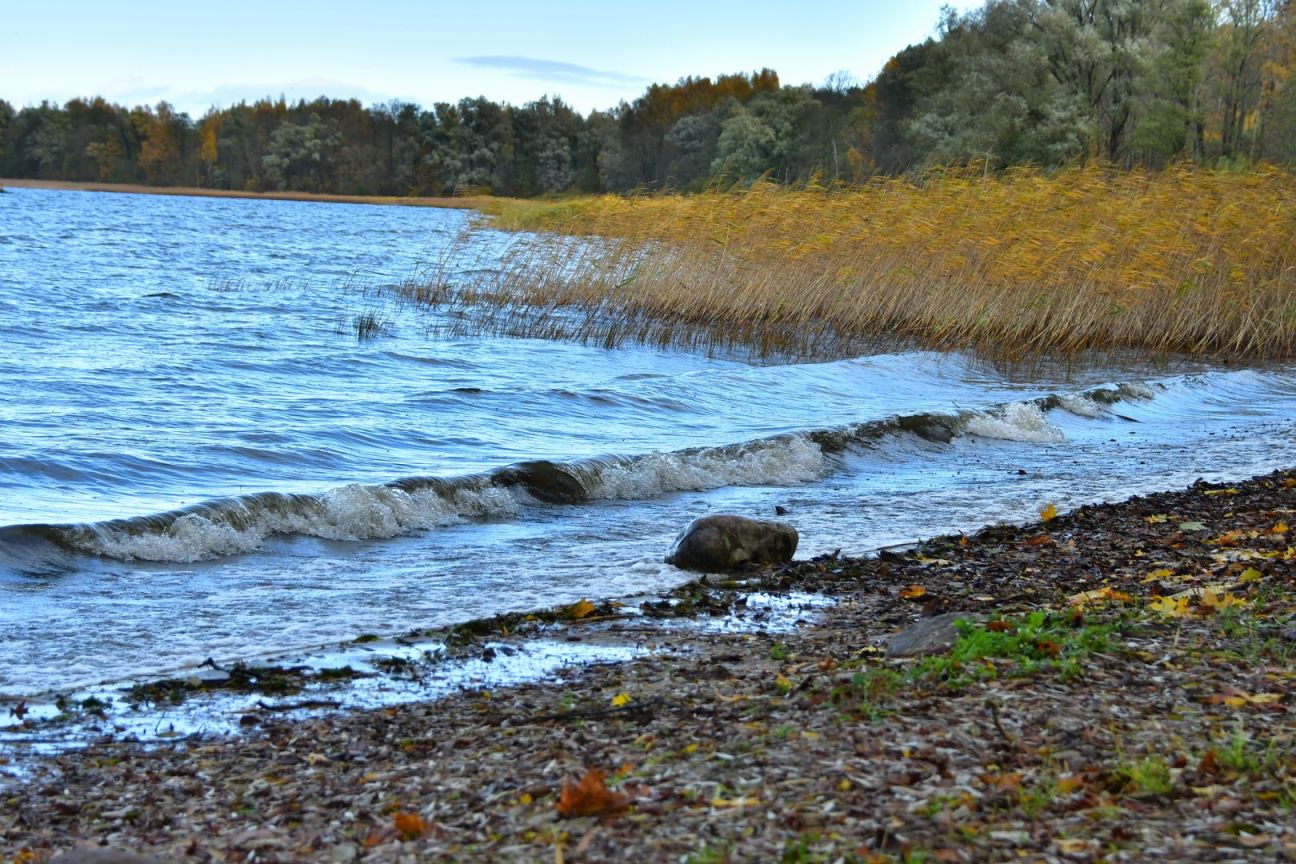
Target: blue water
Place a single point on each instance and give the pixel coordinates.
(203, 453)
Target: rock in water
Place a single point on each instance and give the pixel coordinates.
(544, 481)
(725, 542)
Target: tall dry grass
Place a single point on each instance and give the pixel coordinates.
(1183, 261)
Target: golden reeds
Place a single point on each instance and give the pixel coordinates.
(1183, 261)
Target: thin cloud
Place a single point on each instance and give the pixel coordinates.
(551, 70)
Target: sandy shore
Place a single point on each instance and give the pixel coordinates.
(467, 203)
(1123, 693)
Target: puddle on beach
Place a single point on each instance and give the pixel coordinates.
(375, 673)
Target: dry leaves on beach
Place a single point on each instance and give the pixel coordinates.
(1067, 720)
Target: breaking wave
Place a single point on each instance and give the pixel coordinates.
(242, 524)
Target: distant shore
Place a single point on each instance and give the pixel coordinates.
(466, 203)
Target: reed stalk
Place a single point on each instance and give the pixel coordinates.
(1183, 261)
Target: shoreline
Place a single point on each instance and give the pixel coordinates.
(1121, 693)
(467, 203)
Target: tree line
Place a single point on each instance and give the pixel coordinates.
(1042, 82)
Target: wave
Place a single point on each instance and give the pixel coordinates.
(242, 524)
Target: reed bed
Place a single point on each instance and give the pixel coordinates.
(1182, 261)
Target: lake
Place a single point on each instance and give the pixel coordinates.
(223, 433)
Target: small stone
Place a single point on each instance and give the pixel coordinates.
(344, 853)
(929, 636)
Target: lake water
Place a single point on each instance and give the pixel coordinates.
(199, 457)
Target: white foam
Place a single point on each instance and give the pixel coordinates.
(786, 461)
(1016, 421)
(1082, 406)
(353, 512)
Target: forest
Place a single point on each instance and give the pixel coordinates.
(1046, 83)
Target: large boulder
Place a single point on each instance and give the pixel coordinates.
(724, 542)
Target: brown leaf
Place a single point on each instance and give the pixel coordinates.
(409, 825)
(1048, 646)
(913, 592)
(998, 626)
(590, 797)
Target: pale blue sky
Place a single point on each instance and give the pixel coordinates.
(593, 53)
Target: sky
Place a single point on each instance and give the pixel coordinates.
(591, 53)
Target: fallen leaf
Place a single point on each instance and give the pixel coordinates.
(409, 825)
(1253, 841)
(1171, 607)
(913, 592)
(1235, 698)
(1048, 646)
(581, 609)
(620, 699)
(1191, 526)
(1067, 785)
(1099, 595)
(590, 797)
(1279, 528)
(1212, 600)
(1220, 492)
(1049, 512)
(1250, 575)
(1157, 519)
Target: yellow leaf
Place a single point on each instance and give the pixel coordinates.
(734, 802)
(913, 592)
(1279, 528)
(1264, 698)
(783, 681)
(1098, 595)
(525, 799)
(1072, 846)
(1163, 573)
(620, 699)
(1220, 492)
(1067, 785)
(1250, 575)
(1049, 512)
(1157, 519)
(1213, 600)
(581, 609)
(1171, 607)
